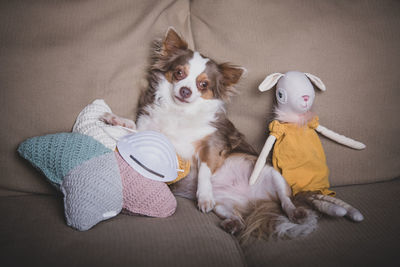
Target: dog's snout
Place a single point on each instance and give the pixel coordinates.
(185, 92)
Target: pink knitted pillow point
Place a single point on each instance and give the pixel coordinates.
(142, 195)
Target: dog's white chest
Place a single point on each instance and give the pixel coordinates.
(184, 125)
(182, 129)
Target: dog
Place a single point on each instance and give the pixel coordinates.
(185, 100)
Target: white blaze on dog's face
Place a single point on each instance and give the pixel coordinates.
(190, 80)
(193, 77)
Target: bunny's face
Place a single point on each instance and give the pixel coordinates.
(295, 93)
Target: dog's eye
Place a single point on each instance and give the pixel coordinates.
(179, 74)
(203, 84)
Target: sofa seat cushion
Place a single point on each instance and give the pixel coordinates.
(33, 233)
(339, 242)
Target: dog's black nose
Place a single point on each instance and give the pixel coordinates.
(185, 92)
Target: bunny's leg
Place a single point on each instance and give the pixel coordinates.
(325, 203)
(326, 207)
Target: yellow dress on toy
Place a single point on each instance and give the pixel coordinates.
(298, 155)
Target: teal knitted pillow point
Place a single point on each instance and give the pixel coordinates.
(57, 154)
(84, 170)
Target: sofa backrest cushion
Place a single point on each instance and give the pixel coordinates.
(56, 58)
(353, 46)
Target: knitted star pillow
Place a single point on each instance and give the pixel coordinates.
(92, 177)
(141, 195)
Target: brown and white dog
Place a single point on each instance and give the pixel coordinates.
(185, 101)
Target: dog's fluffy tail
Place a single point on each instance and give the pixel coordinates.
(266, 220)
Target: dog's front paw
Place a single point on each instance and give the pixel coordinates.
(205, 202)
(109, 118)
(114, 120)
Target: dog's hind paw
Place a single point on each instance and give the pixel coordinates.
(232, 225)
(298, 215)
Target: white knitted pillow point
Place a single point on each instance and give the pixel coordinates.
(89, 123)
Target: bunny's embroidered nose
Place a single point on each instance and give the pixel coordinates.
(306, 97)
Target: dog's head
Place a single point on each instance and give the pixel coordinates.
(194, 77)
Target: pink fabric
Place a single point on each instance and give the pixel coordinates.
(144, 196)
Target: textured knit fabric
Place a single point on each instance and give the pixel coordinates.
(89, 123)
(142, 195)
(57, 154)
(298, 155)
(92, 192)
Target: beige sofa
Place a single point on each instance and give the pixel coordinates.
(58, 56)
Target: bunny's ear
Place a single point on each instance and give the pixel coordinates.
(270, 81)
(316, 81)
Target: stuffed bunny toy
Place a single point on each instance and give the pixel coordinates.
(298, 153)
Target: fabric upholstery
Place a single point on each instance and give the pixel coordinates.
(34, 234)
(190, 238)
(338, 241)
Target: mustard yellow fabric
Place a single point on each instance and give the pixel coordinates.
(183, 165)
(298, 155)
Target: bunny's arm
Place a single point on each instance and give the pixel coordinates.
(261, 159)
(341, 139)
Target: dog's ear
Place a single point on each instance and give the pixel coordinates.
(231, 75)
(172, 42)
